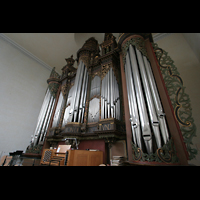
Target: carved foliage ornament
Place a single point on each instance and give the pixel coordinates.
(65, 87)
(138, 43)
(179, 99)
(106, 68)
(53, 87)
(54, 74)
(166, 154)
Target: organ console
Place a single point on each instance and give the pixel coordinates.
(88, 103)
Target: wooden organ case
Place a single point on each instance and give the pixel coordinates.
(116, 94)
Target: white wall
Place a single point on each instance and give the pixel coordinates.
(188, 64)
(22, 89)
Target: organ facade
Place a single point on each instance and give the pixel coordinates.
(117, 93)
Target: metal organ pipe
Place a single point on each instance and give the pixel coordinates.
(108, 97)
(102, 98)
(134, 116)
(41, 114)
(111, 92)
(106, 93)
(110, 102)
(37, 135)
(157, 102)
(44, 118)
(130, 105)
(82, 95)
(58, 110)
(48, 120)
(75, 90)
(146, 132)
(150, 104)
(144, 101)
(77, 98)
(84, 98)
(78, 95)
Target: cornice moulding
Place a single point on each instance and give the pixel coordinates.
(160, 36)
(26, 52)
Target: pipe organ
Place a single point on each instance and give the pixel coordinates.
(115, 94)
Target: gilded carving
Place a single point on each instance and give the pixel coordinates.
(138, 43)
(179, 99)
(96, 74)
(104, 70)
(64, 90)
(53, 87)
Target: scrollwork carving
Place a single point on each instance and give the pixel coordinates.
(179, 99)
(138, 43)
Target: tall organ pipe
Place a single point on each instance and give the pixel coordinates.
(77, 98)
(75, 90)
(48, 120)
(108, 85)
(111, 92)
(58, 110)
(157, 102)
(118, 103)
(41, 114)
(37, 135)
(114, 98)
(106, 93)
(84, 98)
(41, 128)
(82, 95)
(146, 132)
(130, 106)
(133, 102)
(102, 98)
(150, 104)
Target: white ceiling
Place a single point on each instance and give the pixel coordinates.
(53, 48)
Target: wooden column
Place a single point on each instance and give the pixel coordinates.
(169, 111)
(126, 110)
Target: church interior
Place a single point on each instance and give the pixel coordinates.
(100, 99)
